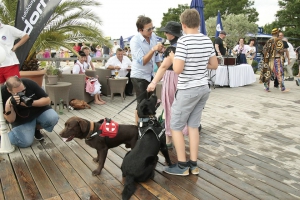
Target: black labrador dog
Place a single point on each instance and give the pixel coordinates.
(76, 127)
(139, 163)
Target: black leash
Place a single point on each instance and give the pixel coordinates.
(129, 103)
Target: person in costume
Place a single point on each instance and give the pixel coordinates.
(273, 52)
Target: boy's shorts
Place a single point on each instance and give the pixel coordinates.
(6, 72)
(187, 107)
(140, 87)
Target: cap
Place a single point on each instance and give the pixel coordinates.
(274, 31)
(174, 28)
(115, 40)
(222, 32)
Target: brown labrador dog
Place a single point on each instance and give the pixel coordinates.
(76, 127)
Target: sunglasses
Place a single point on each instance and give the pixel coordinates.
(150, 29)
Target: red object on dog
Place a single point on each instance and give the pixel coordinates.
(109, 128)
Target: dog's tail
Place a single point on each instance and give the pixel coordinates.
(129, 188)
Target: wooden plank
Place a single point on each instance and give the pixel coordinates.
(284, 175)
(69, 196)
(185, 187)
(63, 165)
(99, 188)
(108, 174)
(244, 177)
(1, 191)
(58, 180)
(25, 180)
(9, 182)
(205, 185)
(87, 193)
(150, 185)
(54, 198)
(41, 179)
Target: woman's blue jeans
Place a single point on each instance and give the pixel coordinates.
(23, 135)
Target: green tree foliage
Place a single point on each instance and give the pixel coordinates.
(289, 17)
(268, 27)
(173, 14)
(236, 26)
(227, 7)
(72, 21)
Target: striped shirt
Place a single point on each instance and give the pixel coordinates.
(195, 50)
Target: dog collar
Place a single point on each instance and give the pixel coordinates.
(91, 130)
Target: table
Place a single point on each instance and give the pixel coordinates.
(117, 86)
(59, 91)
(239, 75)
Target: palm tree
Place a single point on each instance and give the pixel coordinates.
(72, 21)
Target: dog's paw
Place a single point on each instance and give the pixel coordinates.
(95, 160)
(96, 172)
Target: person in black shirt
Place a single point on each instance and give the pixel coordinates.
(27, 117)
(219, 44)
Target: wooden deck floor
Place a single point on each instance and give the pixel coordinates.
(249, 150)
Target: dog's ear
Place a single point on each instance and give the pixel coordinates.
(84, 126)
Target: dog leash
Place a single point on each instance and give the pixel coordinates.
(130, 103)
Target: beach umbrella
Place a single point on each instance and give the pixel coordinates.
(199, 5)
(219, 26)
(121, 42)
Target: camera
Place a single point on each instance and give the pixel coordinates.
(26, 100)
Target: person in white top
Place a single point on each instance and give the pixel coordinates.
(251, 51)
(88, 63)
(240, 50)
(115, 47)
(79, 69)
(122, 64)
(10, 66)
(292, 54)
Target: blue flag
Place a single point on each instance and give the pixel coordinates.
(219, 26)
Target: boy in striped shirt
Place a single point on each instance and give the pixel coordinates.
(195, 54)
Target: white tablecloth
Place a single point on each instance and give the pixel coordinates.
(239, 75)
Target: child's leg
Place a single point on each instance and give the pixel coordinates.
(99, 97)
(97, 101)
(194, 143)
(179, 145)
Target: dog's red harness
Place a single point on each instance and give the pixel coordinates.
(109, 128)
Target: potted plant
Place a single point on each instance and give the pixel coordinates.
(254, 65)
(53, 74)
(31, 70)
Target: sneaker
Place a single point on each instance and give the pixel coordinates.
(176, 170)
(38, 135)
(194, 169)
(297, 82)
